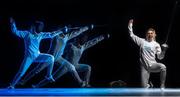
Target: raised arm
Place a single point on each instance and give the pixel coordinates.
(135, 38)
(161, 53)
(77, 32)
(15, 31)
(93, 42)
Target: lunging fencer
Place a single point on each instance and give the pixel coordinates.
(149, 50)
(58, 45)
(32, 54)
(74, 53)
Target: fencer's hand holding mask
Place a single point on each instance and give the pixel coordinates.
(107, 36)
(11, 20)
(130, 25)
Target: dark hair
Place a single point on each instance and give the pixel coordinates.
(151, 29)
(38, 26)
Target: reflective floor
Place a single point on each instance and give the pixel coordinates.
(89, 92)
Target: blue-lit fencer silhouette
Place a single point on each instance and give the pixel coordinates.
(149, 48)
(57, 49)
(73, 54)
(32, 54)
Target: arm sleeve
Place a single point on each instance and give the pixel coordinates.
(50, 34)
(135, 38)
(159, 52)
(93, 42)
(17, 32)
(78, 32)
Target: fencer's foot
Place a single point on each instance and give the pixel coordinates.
(50, 78)
(10, 87)
(83, 84)
(151, 85)
(21, 82)
(88, 86)
(148, 86)
(162, 87)
(34, 86)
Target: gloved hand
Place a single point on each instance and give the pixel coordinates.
(11, 20)
(130, 25)
(65, 29)
(91, 26)
(107, 36)
(164, 46)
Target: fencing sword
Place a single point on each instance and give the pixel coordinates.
(171, 21)
(90, 26)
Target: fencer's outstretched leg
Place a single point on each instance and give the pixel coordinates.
(24, 66)
(67, 67)
(33, 72)
(57, 74)
(72, 70)
(86, 69)
(48, 59)
(77, 78)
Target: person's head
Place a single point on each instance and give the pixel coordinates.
(37, 27)
(151, 34)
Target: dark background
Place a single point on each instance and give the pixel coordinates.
(114, 59)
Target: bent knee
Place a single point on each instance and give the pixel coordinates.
(88, 68)
(71, 68)
(51, 59)
(163, 67)
(85, 67)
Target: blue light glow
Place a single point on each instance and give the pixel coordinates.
(88, 92)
